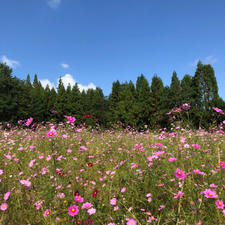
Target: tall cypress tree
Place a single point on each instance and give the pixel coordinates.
(143, 101)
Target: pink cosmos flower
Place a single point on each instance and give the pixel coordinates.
(26, 183)
(197, 171)
(61, 195)
(219, 204)
(29, 121)
(70, 119)
(31, 163)
(78, 199)
(222, 164)
(6, 195)
(1, 171)
(47, 213)
(91, 211)
(123, 190)
(180, 174)
(86, 205)
(171, 159)
(51, 133)
(196, 146)
(113, 201)
(111, 224)
(218, 110)
(179, 194)
(73, 210)
(3, 206)
(131, 221)
(209, 193)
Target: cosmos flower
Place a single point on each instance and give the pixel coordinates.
(47, 213)
(113, 201)
(209, 193)
(131, 221)
(6, 195)
(3, 206)
(219, 204)
(91, 211)
(73, 210)
(180, 174)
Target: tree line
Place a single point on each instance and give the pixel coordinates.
(136, 105)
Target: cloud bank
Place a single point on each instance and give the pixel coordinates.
(207, 60)
(67, 79)
(9, 62)
(53, 3)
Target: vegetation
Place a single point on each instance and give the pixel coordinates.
(138, 106)
(65, 174)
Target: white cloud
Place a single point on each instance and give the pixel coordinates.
(207, 60)
(9, 62)
(45, 82)
(85, 88)
(65, 66)
(210, 60)
(68, 79)
(53, 3)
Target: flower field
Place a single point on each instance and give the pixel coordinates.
(62, 174)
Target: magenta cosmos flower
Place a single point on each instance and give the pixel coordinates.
(3, 206)
(70, 119)
(180, 174)
(219, 204)
(29, 121)
(47, 213)
(209, 193)
(131, 221)
(51, 133)
(6, 196)
(78, 199)
(73, 210)
(222, 164)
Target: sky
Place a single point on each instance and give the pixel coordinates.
(96, 42)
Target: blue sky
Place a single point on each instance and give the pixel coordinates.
(96, 42)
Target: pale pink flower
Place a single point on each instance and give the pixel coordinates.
(26, 183)
(131, 221)
(123, 189)
(113, 201)
(91, 211)
(3, 206)
(86, 205)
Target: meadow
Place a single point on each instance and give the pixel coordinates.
(66, 174)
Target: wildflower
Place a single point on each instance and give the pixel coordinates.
(70, 119)
(51, 133)
(199, 222)
(73, 210)
(76, 193)
(196, 146)
(222, 164)
(209, 193)
(150, 219)
(219, 204)
(111, 224)
(113, 201)
(86, 205)
(26, 183)
(61, 195)
(95, 192)
(3, 206)
(123, 190)
(1, 171)
(47, 213)
(89, 222)
(116, 208)
(218, 110)
(179, 194)
(171, 159)
(6, 196)
(29, 121)
(180, 174)
(186, 106)
(131, 221)
(31, 163)
(90, 164)
(91, 211)
(78, 198)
